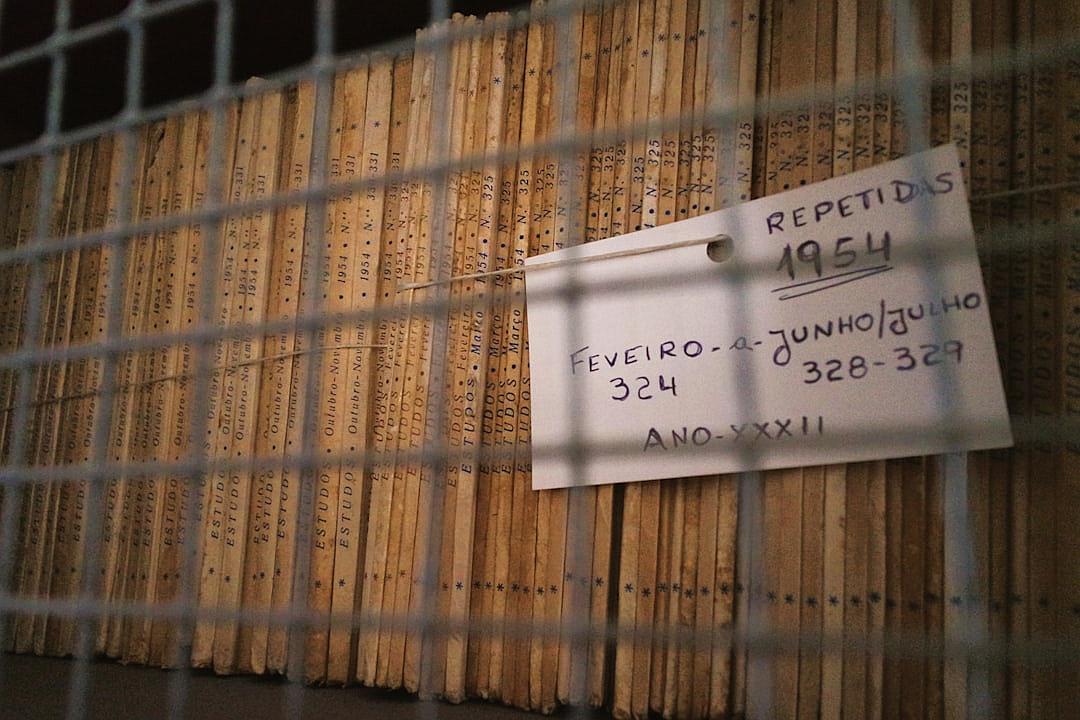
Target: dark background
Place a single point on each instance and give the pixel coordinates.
(37, 687)
(268, 36)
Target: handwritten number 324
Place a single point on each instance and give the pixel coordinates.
(622, 390)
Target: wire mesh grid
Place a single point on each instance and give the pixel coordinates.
(309, 433)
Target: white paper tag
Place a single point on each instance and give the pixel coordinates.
(850, 323)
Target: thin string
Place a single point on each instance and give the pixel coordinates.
(545, 265)
(560, 263)
(180, 376)
(1049, 187)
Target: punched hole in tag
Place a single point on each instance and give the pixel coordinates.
(720, 248)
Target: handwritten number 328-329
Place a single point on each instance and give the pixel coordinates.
(857, 366)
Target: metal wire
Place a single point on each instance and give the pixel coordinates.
(903, 644)
(324, 88)
(80, 678)
(208, 291)
(752, 634)
(49, 176)
(1049, 430)
(321, 189)
(944, 248)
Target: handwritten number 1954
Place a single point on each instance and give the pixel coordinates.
(844, 254)
(622, 390)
